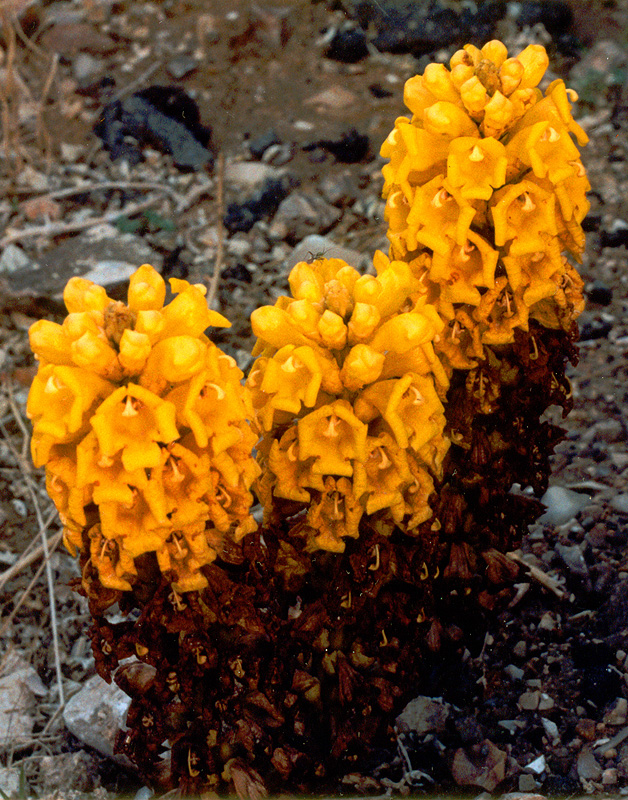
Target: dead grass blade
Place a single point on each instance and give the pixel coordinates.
(24, 467)
(212, 284)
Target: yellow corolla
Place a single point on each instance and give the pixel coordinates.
(142, 425)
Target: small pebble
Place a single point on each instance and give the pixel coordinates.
(620, 503)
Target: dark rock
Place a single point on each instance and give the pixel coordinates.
(616, 237)
(237, 273)
(595, 329)
(600, 681)
(416, 31)
(261, 143)
(262, 203)
(351, 148)
(556, 17)
(348, 46)
(591, 223)
(600, 293)
(164, 117)
(379, 92)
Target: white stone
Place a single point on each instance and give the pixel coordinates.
(536, 767)
(13, 258)
(18, 692)
(423, 715)
(562, 505)
(96, 714)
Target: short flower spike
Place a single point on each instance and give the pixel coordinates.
(365, 372)
(142, 426)
(500, 189)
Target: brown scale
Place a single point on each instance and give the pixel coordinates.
(286, 671)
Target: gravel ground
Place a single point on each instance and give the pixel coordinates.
(540, 705)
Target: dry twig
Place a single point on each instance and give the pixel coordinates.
(59, 228)
(212, 284)
(44, 540)
(542, 577)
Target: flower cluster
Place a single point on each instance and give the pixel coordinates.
(485, 193)
(141, 423)
(346, 392)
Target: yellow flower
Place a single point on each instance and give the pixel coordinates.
(334, 437)
(476, 166)
(439, 216)
(524, 215)
(60, 402)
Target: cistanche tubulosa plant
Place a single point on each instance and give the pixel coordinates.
(381, 427)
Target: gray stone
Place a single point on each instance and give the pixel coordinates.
(537, 766)
(316, 246)
(108, 273)
(112, 254)
(587, 766)
(527, 783)
(18, 692)
(620, 503)
(303, 213)
(617, 715)
(9, 781)
(529, 701)
(85, 67)
(69, 772)
(562, 505)
(13, 259)
(246, 175)
(96, 714)
(423, 715)
(551, 729)
(514, 673)
(572, 558)
(181, 66)
(546, 703)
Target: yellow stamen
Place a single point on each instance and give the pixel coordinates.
(177, 475)
(384, 641)
(223, 497)
(384, 460)
(253, 381)
(53, 384)
(528, 205)
(476, 154)
(220, 392)
(553, 135)
(466, 250)
(374, 567)
(192, 762)
(424, 572)
(130, 407)
(337, 514)
(330, 431)
(290, 452)
(535, 353)
(346, 601)
(580, 170)
(440, 197)
(289, 365)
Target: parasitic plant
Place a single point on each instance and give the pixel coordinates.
(390, 414)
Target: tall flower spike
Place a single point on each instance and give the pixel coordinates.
(141, 423)
(513, 189)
